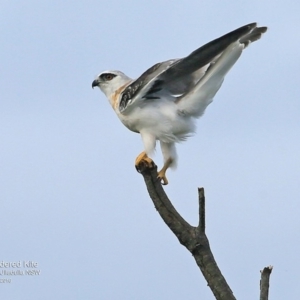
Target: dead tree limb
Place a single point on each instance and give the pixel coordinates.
(193, 238)
(264, 282)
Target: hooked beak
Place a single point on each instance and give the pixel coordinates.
(95, 83)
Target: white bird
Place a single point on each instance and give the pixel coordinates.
(165, 101)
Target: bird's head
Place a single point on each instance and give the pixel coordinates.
(110, 81)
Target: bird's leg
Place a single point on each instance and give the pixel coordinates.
(162, 173)
(143, 159)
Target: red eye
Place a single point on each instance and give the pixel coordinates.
(109, 76)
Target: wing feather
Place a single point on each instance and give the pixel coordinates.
(176, 79)
(195, 102)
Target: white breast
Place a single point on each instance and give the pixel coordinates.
(159, 118)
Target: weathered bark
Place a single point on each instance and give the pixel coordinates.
(264, 282)
(193, 238)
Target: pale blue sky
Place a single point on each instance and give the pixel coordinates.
(71, 198)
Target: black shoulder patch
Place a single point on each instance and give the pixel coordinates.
(130, 92)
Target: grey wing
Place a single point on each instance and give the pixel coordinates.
(143, 83)
(195, 100)
(178, 80)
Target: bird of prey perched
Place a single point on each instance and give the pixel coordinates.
(165, 101)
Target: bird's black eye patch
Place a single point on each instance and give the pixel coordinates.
(107, 76)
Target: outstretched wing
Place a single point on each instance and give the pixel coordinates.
(195, 100)
(184, 79)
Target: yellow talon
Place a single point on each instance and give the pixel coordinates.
(162, 173)
(143, 159)
(162, 176)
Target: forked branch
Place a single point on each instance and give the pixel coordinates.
(193, 238)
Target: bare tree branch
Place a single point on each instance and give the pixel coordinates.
(264, 282)
(193, 238)
(201, 225)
